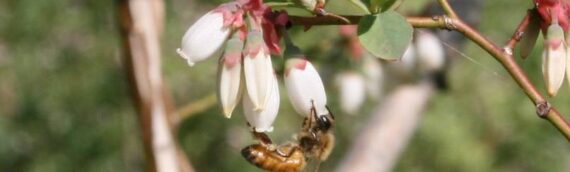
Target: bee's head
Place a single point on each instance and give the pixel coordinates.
(325, 122)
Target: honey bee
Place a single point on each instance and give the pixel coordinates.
(315, 140)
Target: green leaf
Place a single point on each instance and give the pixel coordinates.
(530, 35)
(347, 7)
(385, 35)
(383, 5)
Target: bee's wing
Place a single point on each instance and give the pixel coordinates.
(313, 165)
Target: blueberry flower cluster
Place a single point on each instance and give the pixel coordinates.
(243, 34)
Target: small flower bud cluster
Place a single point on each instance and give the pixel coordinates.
(244, 35)
(355, 83)
(425, 57)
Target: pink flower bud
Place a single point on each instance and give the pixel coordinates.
(352, 91)
(554, 59)
(258, 70)
(204, 38)
(305, 87)
(229, 75)
(430, 53)
(262, 120)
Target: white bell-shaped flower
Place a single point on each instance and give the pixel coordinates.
(258, 70)
(205, 38)
(229, 76)
(554, 59)
(374, 76)
(305, 87)
(408, 60)
(352, 92)
(262, 120)
(430, 52)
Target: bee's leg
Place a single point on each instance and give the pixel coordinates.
(313, 116)
(330, 112)
(289, 153)
(262, 137)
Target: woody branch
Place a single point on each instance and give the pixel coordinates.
(140, 25)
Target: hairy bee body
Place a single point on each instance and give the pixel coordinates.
(320, 148)
(287, 158)
(315, 140)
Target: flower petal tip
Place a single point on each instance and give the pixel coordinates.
(258, 108)
(228, 113)
(552, 93)
(263, 130)
(181, 54)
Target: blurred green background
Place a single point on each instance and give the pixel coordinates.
(65, 104)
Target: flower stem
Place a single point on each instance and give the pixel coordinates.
(517, 35)
(447, 8)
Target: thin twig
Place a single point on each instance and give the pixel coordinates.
(448, 9)
(196, 107)
(517, 35)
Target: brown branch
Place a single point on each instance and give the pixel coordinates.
(517, 35)
(516, 72)
(416, 22)
(508, 62)
(141, 24)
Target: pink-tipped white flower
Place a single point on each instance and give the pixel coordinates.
(374, 75)
(229, 75)
(262, 120)
(430, 52)
(258, 70)
(554, 59)
(305, 87)
(352, 91)
(205, 38)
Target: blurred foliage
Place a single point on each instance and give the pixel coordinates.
(65, 105)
